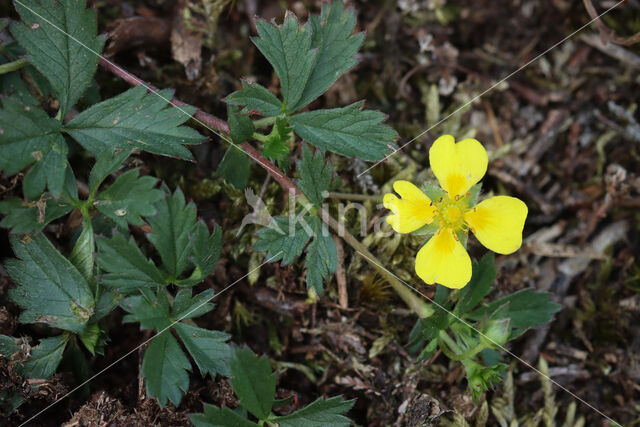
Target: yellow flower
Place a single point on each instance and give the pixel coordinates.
(497, 222)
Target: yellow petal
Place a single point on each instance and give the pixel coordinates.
(498, 222)
(458, 166)
(444, 260)
(412, 211)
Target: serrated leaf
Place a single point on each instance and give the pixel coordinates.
(164, 369)
(331, 35)
(137, 120)
(240, 125)
(253, 382)
(220, 417)
(107, 163)
(126, 267)
(255, 97)
(483, 276)
(24, 217)
(315, 176)
(209, 349)
(151, 311)
(50, 289)
(205, 250)
(234, 168)
(187, 307)
(26, 136)
(12, 87)
(320, 413)
(322, 256)
(61, 40)
(8, 346)
(82, 253)
(288, 49)
(171, 228)
(49, 171)
(525, 308)
(129, 198)
(45, 358)
(90, 337)
(349, 131)
(282, 240)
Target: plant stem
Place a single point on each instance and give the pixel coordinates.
(350, 196)
(416, 303)
(13, 66)
(267, 121)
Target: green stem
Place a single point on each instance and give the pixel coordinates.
(259, 137)
(267, 121)
(456, 353)
(13, 66)
(350, 196)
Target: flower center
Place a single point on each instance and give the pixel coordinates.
(450, 213)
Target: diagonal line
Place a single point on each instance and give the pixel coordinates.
(495, 85)
(498, 345)
(148, 340)
(146, 86)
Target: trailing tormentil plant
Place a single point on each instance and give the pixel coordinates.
(307, 59)
(71, 294)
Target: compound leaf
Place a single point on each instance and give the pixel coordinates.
(24, 217)
(137, 120)
(209, 349)
(50, 288)
(349, 131)
(320, 413)
(331, 35)
(129, 198)
(214, 416)
(61, 40)
(126, 267)
(283, 240)
(164, 369)
(45, 358)
(107, 162)
(288, 49)
(151, 311)
(275, 147)
(322, 256)
(253, 381)
(255, 97)
(315, 176)
(240, 125)
(205, 250)
(186, 306)
(171, 228)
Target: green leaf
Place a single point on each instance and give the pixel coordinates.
(220, 417)
(209, 349)
(137, 120)
(240, 125)
(253, 381)
(282, 240)
(288, 49)
(129, 198)
(322, 256)
(525, 308)
(315, 176)
(187, 307)
(483, 276)
(50, 289)
(320, 413)
(151, 311)
(164, 369)
(107, 163)
(48, 171)
(234, 168)
(254, 97)
(45, 358)
(24, 217)
(90, 337)
(206, 250)
(13, 87)
(82, 253)
(171, 228)
(61, 40)
(349, 131)
(26, 136)
(275, 147)
(331, 35)
(127, 268)
(8, 346)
